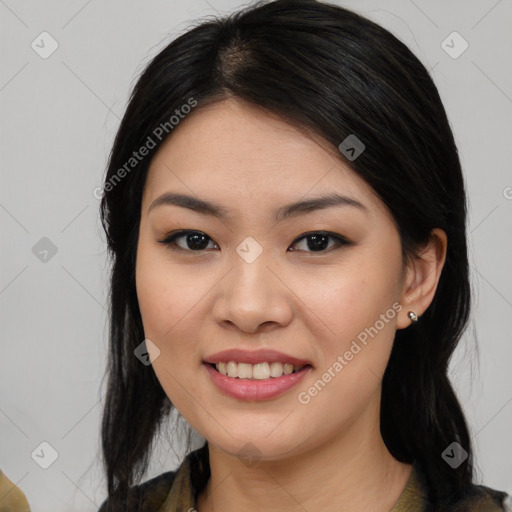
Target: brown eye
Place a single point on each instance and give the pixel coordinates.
(188, 240)
(319, 241)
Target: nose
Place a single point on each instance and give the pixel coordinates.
(252, 298)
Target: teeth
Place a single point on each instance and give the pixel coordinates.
(276, 369)
(244, 371)
(259, 371)
(232, 369)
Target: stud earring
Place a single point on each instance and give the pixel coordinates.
(412, 316)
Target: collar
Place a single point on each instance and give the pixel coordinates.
(194, 472)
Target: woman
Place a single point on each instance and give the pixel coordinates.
(285, 209)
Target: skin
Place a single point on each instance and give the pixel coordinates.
(305, 303)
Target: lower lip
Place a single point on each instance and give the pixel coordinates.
(253, 389)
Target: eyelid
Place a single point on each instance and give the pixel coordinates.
(341, 240)
(169, 239)
(321, 232)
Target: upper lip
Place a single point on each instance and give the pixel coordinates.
(253, 356)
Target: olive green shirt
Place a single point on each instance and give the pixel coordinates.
(177, 491)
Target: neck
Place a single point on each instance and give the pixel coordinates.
(351, 471)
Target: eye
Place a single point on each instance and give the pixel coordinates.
(197, 241)
(192, 241)
(318, 241)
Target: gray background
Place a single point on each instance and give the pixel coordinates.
(58, 119)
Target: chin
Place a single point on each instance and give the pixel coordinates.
(258, 448)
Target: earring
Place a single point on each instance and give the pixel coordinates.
(412, 316)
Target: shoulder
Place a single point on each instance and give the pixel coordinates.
(12, 497)
(149, 495)
(485, 499)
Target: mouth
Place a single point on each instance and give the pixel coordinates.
(255, 382)
(259, 371)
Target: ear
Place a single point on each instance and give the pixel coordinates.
(422, 277)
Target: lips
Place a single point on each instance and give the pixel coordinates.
(255, 390)
(263, 387)
(254, 357)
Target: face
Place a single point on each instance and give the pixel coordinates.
(317, 285)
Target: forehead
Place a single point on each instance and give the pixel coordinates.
(234, 151)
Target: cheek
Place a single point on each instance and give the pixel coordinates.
(348, 301)
(358, 323)
(161, 311)
(165, 293)
(166, 302)
(173, 315)
(154, 297)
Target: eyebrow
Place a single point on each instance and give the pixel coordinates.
(287, 211)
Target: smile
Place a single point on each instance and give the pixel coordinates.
(258, 371)
(255, 388)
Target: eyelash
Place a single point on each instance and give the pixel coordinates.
(170, 240)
